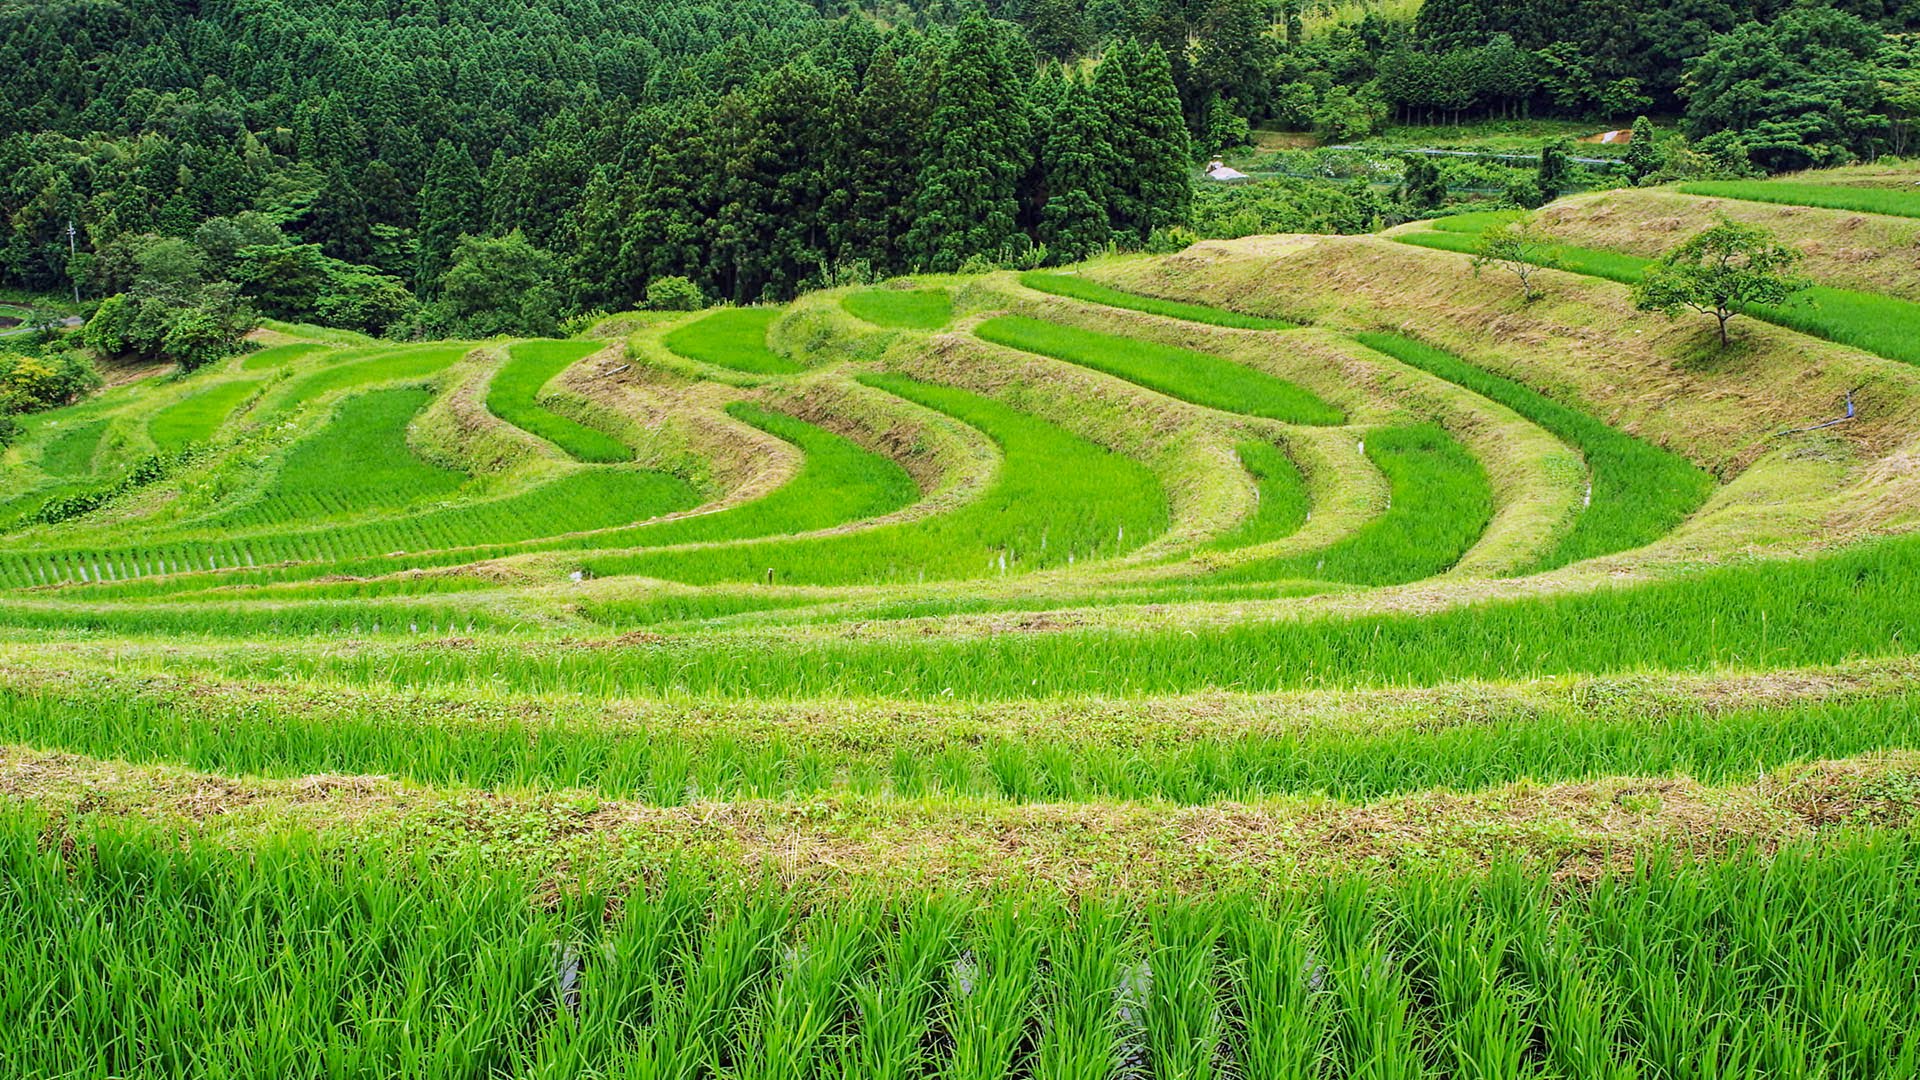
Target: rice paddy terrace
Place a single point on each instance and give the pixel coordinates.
(1292, 657)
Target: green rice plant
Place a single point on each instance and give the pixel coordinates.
(1883, 325)
(1376, 1028)
(1095, 996)
(1057, 497)
(1867, 200)
(1281, 503)
(1636, 492)
(149, 949)
(1460, 963)
(1200, 378)
(70, 451)
(1185, 1018)
(194, 418)
(1076, 287)
(358, 461)
(906, 309)
(1476, 221)
(1845, 605)
(733, 338)
(279, 356)
(1551, 746)
(513, 396)
(1280, 991)
(990, 995)
(1439, 503)
(807, 1005)
(361, 367)
(897, 1001)
(839, 482)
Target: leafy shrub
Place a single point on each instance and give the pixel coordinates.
(674, 293)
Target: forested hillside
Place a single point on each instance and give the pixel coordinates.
(421, 168)
(326, 158)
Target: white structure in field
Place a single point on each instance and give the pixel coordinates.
(1217, 170)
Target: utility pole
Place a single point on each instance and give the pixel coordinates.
(72, 254)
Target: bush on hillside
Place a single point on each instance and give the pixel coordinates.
(674, 294)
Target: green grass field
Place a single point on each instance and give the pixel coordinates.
(1055, 498)
(1075, 706)
(1866, 200)
(1439, 503)
(1883, 325)
(733, 338)
(907, 309)
(513, 396)
(1197, 377)
(1636, 492)
(196, 417)
(1075, 287)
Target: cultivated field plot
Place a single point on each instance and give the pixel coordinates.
(1290, 658)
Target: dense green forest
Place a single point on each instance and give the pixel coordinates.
(452, 167)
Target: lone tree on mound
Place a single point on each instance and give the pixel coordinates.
(1521, 248)
(1721, 272)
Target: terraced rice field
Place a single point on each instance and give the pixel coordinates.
(733, 338)
(1291, 677)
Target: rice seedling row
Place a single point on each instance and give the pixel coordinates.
(368, 429)
(596, 498)
(1756, 965)
(905, 309)
(513, 396)
(196, 417)
(733, 338)
(1753, 616)
(1281, 501)
(1867, 200)
(1076, 287)
(1057, 498)
(1439, 504)
(715, 759)
(1637, 492)
(839, 482)
(1196, 377)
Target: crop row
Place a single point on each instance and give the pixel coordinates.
(513, 396)
(1883, 325)
(907, 309)
(358, 461)
(1075, 287)
(1439, 503)
(733, 338)
(132, 953)
(1637, 492)
(839, 482)
(1281, 502)
(1869, 200)
(712, 759)
(594, 498)
(1200, 378)
(1799, 613)
(1056, 498)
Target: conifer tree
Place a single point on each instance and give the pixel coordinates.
(1078, 163)
(450, 205)
(1642, 156)
(968, 202)
(1152, 184)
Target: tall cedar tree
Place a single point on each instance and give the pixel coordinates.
(880, 147)
(969, 198)
(450, 206)
(1078, 167)
(1152, 184)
